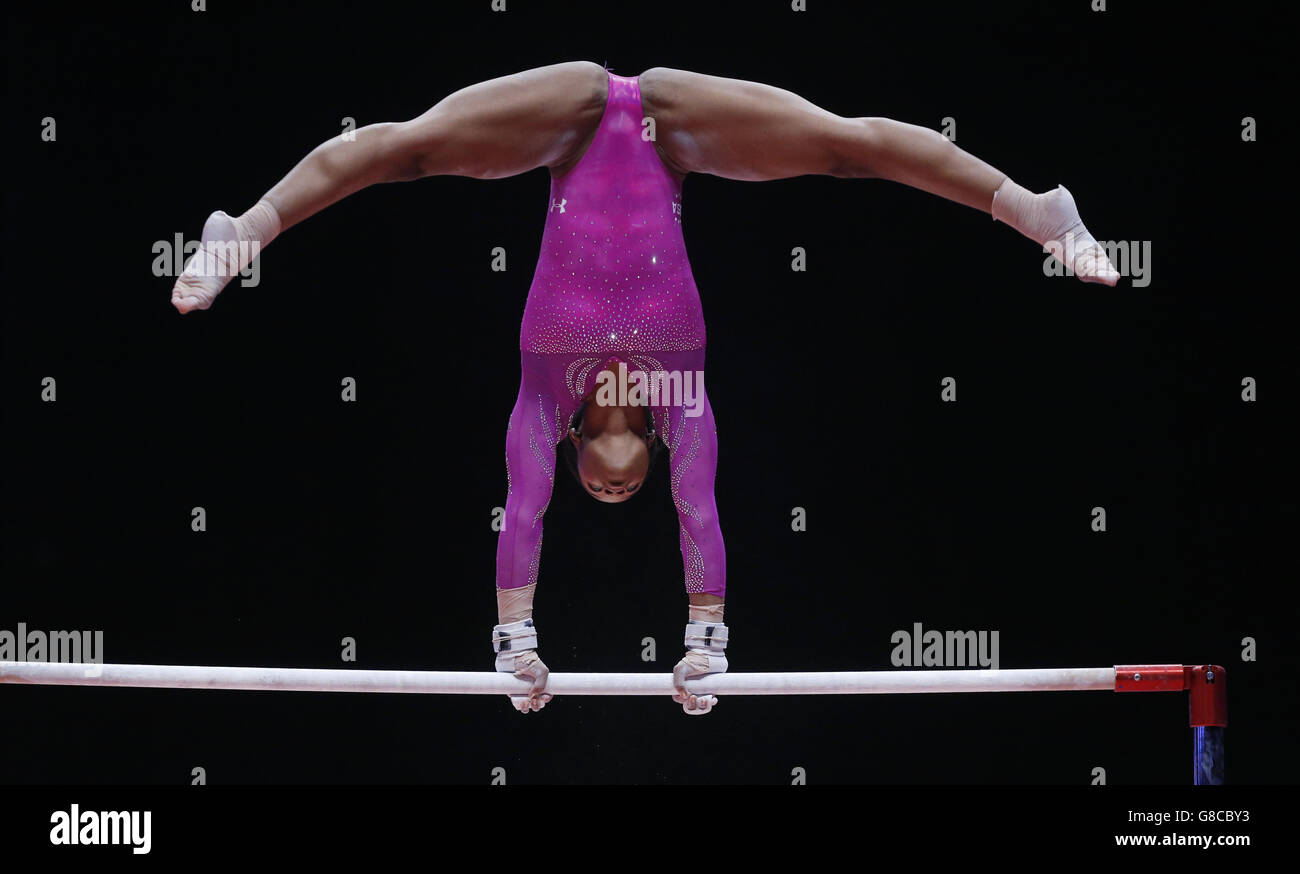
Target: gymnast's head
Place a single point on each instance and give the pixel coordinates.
(610, 451)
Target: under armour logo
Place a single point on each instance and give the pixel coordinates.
(560, 205)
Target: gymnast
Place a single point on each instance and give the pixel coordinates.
(613, 303)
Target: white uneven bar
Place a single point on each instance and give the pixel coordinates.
(487, 683)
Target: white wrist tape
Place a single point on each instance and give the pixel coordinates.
(514, 636)
(511, 640)
(706, 644)
(709, 637)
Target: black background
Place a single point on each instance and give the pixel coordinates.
(372, 520)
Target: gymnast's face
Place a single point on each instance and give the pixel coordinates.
(612, 467)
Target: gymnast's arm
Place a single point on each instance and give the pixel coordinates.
(502, 127)
(755, 132)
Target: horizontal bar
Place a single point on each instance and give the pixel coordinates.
(1152, 678)
(487, 683)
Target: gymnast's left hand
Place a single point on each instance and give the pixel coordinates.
(694, 665)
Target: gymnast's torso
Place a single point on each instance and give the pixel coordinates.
(612, 274)
(612, 284)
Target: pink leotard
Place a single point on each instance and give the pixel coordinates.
(613, 283)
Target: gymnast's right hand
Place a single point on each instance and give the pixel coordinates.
(516, 648)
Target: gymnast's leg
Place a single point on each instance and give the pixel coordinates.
(489, 130)
(754, 132)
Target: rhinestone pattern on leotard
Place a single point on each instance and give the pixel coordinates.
(612, 274)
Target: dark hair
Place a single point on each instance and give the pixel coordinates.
(570, 452)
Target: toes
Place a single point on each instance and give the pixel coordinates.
(1101, 271)
(1093, 265)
